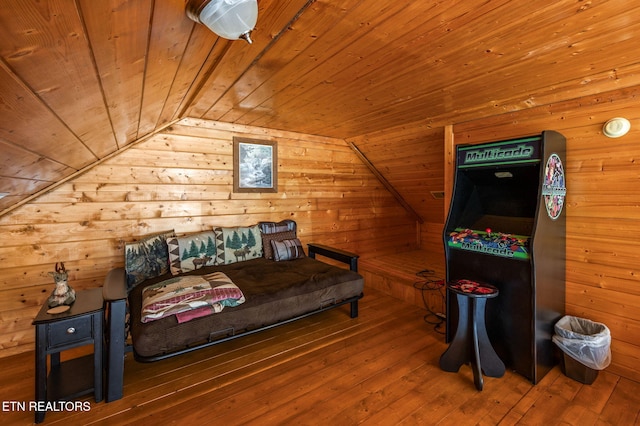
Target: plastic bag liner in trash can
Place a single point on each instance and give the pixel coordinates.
(586, 341)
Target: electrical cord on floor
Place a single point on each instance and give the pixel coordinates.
(431, 283)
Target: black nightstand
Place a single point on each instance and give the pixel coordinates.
(79, 326)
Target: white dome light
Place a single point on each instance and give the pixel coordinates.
(230, 19)
(616, 127)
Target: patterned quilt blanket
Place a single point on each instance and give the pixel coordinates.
(189, 297)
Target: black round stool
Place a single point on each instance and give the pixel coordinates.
(471, 342)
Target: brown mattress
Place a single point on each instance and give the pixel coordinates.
(274, 292)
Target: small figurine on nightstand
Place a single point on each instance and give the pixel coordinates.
(63, 294)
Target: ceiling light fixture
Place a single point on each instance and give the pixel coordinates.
(616, 127)
(230, 19)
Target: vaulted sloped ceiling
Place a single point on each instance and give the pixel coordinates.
(82, 79)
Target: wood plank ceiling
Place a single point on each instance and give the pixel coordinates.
(82, 79)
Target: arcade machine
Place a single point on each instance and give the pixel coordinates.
(506, 227)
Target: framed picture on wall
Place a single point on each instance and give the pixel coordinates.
(255, 165)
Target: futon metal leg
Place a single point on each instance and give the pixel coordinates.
(354, 309)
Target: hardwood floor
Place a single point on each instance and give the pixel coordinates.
(379, 369)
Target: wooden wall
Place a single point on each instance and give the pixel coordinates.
(602, 208)
(182, 179)
(603, 201)
(411, 159)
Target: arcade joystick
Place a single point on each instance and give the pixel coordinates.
(488, 231)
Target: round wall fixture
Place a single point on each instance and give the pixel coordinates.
(616, 127)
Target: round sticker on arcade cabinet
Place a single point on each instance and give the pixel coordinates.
(553, 188)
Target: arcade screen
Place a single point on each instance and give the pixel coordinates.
(494, 209)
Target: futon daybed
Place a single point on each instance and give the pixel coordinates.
(239, 281)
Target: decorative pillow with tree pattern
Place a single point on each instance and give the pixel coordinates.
(240, 243)
(192, 252)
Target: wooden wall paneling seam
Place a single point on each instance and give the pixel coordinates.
(305, 50)
(625, 76)
(201, 127)
(411, 159)
(350, 74)
(29, 122)
(464, 83)
(118, 34)
(238, 58)
(270, 69)
(203, 49)
(558, 115)
(168, 36)
(89, 272)
(449, 166)
(37, 42)
(193, 104)
(386, 184)
(18, 188)
(512, 56)
(15, 157)
(77, 173)
(225, 107)
(595, 85)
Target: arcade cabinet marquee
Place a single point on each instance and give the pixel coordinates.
(506, 227)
